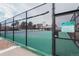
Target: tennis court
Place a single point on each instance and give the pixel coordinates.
(41, 32)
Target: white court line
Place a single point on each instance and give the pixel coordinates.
(8, 49)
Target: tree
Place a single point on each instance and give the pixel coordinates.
(0, 26)
(30, 25)
(34, 26)
(15, 24)
(23, 25)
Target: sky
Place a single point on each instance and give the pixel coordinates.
(8, 10)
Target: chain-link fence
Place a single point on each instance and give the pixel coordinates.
(43, 31)
(67, 33)
(31, 29)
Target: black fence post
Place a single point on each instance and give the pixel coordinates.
(53, 30)
(13, 28)
(26, 28)
(5, 29)
(75, 27)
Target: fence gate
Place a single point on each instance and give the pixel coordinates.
(67, 33)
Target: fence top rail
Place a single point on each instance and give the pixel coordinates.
(29, 17)
(26, 11)
(67, 12)
(58, 14)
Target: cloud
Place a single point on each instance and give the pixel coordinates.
(6, 12)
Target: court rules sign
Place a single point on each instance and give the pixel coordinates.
(68, 27)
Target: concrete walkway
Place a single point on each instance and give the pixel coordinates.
(14, 50)
(18, 52)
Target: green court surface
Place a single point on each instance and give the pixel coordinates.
(9, 35)
(66, 47)
(2, 34)
(42, 41)
(20, 37)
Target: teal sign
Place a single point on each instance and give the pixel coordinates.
(68, 27)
